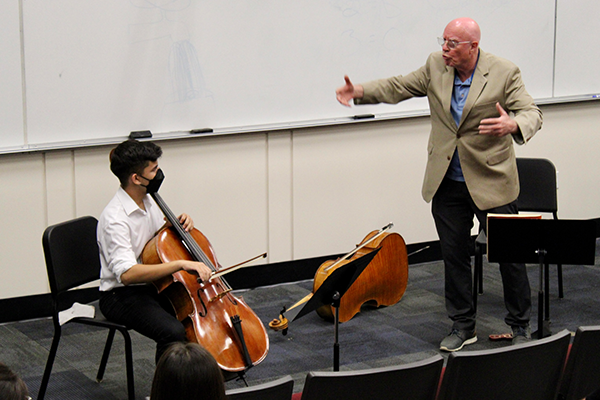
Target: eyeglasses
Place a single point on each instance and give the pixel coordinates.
(452, 44)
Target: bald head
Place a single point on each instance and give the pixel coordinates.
(466, 28)
(461, 46)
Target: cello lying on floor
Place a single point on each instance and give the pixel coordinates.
(382, 283)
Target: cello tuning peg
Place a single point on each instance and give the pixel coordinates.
(280, 324)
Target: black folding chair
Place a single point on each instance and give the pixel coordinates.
(582, 372)
(279, 389)
(529, 371)
(537, 183)
(72, 260)
(414, 381)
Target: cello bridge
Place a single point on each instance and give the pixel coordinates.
(220, 295)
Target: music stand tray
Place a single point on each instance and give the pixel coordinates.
(331, 291)
(543, 241)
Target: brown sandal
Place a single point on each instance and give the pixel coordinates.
(501, 336)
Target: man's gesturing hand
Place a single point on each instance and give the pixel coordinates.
(348, 92)
(501, 126)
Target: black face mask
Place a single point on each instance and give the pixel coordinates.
(154, 184)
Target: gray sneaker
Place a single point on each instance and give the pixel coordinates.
(457, 339)
(521, 334)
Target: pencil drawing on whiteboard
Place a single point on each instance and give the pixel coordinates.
(161, 28)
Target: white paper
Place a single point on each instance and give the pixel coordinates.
(76, 310)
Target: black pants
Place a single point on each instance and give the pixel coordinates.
(142, 309)
(453, 211)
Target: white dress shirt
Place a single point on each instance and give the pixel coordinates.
(123, 231)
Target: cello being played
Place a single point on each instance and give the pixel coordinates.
(129, 221)
(213, 317)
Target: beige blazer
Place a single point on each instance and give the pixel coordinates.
(488, 163)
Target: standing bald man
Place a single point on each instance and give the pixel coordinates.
(478, 106)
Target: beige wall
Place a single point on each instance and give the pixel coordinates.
(294, 194)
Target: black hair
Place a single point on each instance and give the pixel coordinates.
(131, 157)
(187, 371)
(12, 386)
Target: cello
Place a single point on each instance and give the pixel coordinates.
(212, 316)
(382, 283)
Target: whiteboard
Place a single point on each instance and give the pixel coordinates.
(577, 57)
(96, 70)
(12, 134)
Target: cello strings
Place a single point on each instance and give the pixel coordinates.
(192, 246)
(185, 236)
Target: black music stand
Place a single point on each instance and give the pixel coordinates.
(331, 292)
(543, 241)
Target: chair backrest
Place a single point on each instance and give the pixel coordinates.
(537, 181)
(582, 372)
(71, 252)
(279, 389)
(527, 371)
(414, 381)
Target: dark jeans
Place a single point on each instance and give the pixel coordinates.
(142, 309)
(453, 211)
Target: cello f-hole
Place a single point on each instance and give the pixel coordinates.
(202, 313)
(233, 300)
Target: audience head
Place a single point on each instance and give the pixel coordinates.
(12, 386)
(187, 371)
(131, 157)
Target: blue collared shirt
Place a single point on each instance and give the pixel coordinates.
(459, 98)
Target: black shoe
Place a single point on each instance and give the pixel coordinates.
(457, 339)
(521, 334)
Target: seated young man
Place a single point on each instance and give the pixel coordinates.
(127, 223)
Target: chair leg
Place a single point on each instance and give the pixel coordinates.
(561, 294)
(105, 354)
(128, 360)
(546, 292)
(479, 268)
(129, 364)
(476, 273)
(49, 364)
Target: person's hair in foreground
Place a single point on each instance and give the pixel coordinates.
(12, 386)
(187, 371)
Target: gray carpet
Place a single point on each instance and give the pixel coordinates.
(407, 331)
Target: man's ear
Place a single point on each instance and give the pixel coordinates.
(134, 179)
